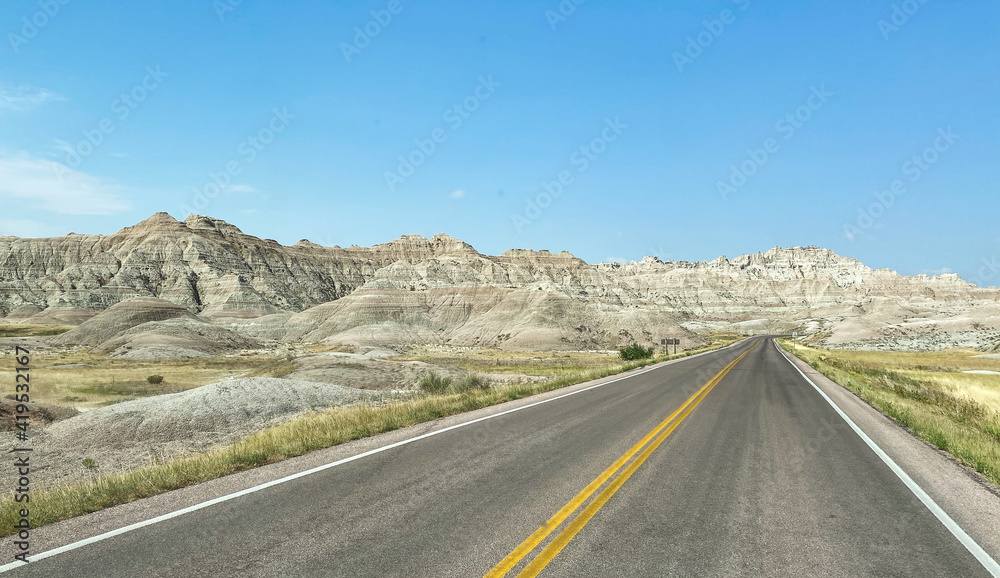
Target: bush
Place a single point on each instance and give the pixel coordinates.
(470, 382)
(433, 383)
(155, 379)
(633, 351)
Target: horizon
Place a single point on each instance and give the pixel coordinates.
(729, 126)
(539, 250)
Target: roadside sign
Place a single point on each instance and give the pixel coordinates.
(795, 334)
(666, 342)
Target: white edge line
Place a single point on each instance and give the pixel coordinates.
(970, 544)
(164, 517)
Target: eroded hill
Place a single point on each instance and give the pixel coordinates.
(202, 284)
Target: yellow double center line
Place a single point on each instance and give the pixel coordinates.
(663, 430)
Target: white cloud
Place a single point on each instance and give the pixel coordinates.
(240, 189)
(458, 194)
(25, 97)
(27, 228)
(47, 185)
(936, 272)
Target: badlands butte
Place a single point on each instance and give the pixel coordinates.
(201, 287)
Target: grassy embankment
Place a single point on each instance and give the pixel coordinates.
(25, 330)
(81, 379)
(929, 393)
(296, 437)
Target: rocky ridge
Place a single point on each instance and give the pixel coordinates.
(163, 283)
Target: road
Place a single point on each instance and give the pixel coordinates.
(756, 474)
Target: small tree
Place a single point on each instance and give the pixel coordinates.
(155, 379)
(633, 351)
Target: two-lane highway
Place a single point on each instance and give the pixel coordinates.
(731, 463)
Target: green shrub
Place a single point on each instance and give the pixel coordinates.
(433, 383)
(155, 379)
(633, 352)
(472, 382)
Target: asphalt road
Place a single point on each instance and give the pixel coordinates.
(760, 478)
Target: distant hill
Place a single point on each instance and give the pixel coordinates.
(441, 290)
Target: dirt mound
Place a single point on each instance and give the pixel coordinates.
(41, 414)
(181, 337)
(121, 317)
(367, 371)
(131, 434)
(151, 328)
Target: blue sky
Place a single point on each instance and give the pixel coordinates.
(680, 129)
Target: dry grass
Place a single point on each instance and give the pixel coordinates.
(338, 348)
(28, 330)
(538, 364)
(293, 438)
(548, 364)
(929, 394)
(82, 379)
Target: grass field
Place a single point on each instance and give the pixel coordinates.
(547, 364)
(928, 393)
(538, 364)
(299, 436)
(81, 379)
(21, 330)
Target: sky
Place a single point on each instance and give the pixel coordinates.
(613, 130)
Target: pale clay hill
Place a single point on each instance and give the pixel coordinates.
(165, 288)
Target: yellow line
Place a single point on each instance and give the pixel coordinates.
(564, 537)
(555, 521)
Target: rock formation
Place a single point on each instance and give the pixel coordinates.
(166, 284)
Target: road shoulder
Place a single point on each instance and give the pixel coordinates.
(971, 500)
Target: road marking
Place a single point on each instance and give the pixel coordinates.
(970, 544)
(170, 515)
(663, 430)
